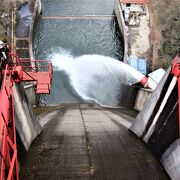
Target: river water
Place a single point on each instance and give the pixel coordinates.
(69, 29)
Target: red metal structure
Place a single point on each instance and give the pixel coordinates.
(39, 71)
(8, 148)
(41, 74)
(176, 72)
(13, 71)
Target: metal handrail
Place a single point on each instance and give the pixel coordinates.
(9, 162)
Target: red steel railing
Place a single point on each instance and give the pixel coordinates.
(8, 147)
(16, 70)
(41, 72)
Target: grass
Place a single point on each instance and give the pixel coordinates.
(42, 109)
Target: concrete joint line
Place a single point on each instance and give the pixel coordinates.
(89, 148)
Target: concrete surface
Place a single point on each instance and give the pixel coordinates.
(143, 118)
(123, 28)
(142, 96)
(26, 123)
(171, 160)
(26, 14)
(157, 124)
(87, 142)
(139, 37)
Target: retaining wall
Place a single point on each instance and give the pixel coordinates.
(26, 122)
(157, 124)
(24, 42)
(36, 13)
(142, 96)
(122, 27)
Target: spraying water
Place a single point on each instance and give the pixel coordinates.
(94, 78)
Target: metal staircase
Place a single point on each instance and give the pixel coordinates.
(40, 73)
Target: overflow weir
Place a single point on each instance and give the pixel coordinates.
(81, 139)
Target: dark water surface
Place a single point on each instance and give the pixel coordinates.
(78, 36)
(77, 7)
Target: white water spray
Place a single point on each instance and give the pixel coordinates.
(96, 78)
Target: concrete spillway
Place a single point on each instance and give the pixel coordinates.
(85, 142)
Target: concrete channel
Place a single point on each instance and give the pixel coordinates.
(81, 141)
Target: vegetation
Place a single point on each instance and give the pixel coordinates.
(4, 19)
(171, 43)
(42, 109)
(168, 14)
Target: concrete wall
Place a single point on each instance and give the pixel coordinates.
(129, 95)
(171, 160)
(36, 13)
(157, 124)
(143, 117)
(30, 91)
(26, 123)
(122, 27)
(24, 44)
(142, 96)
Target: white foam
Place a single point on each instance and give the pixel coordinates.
(96, 78)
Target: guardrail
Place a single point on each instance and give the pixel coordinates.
(41, 72)
(8, 147)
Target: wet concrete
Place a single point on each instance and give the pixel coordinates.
(86, 142)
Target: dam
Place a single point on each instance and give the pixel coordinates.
(80, 141)
(83, 129)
